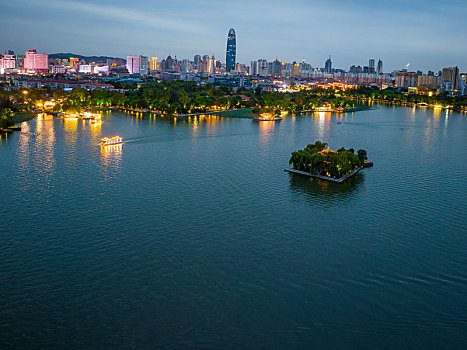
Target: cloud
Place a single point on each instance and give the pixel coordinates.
(122, 15)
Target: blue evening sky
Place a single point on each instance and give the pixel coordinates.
(428, 34)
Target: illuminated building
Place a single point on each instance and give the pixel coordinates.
(406, 79)
(328, 65)
(212, 65)
(463, 83)
(205, 64)
(231, 51)
(73, 61)
(101, 69)
(8, 62)
(427, 81)
(294, 69)
(59, 69)
(153, 63)
(262, 67)
(137, 65)
(35, 63)
(86, 68)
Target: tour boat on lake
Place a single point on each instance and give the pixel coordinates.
(116, 140)
(267, 117)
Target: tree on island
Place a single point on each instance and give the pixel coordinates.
(362, 155)
(319, 159)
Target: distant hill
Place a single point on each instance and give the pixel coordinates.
(86, 58)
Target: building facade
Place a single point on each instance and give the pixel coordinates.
(231, 52)
(451, 75)
(137, 65)
(35, 63)
(328, 65)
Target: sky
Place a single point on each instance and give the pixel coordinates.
(428, 34)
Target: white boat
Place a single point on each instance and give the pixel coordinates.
(116, 140)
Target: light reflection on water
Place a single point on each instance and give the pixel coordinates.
(187, 234)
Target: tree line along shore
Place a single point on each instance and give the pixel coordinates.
(180, 98)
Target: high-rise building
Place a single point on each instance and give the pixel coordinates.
(197, 63)
(153, 63)
(463, 84)
(253, 68)
(328, 65)
(212, 65)
(371, 66)
(205, 64)
(231, 52)
(262, 67)
(276, 68)
(137, 65)
(35, 62)
(294, 69)
(143, 69)
(451, 75)
(380, 67)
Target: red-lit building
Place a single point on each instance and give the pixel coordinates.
(8, 61)
(35, 62)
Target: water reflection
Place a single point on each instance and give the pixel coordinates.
(266, 128)
(325, 193)
(111, 156)
(323, 123)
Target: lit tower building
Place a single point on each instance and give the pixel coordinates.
(231, 51)
(36, 63)
(73, 61)
(153, 63)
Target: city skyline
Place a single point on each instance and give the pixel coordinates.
(399, 33)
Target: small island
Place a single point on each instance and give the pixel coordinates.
(319, 161)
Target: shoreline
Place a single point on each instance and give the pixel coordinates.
(326, 178)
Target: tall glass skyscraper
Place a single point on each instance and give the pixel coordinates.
(231, 51)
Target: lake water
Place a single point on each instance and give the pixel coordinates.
(191, 235)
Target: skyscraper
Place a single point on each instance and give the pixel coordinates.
(231, 51)
(380, 67)
(137, 65)
(451, 75)
(197, 63)
(371, 66)
(153, 63)
(328, 65)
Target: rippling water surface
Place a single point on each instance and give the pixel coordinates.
(191, 235)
